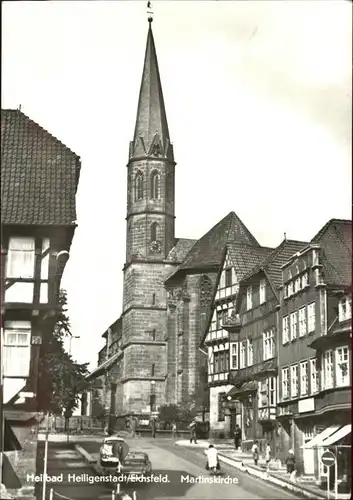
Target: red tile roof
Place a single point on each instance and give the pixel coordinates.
(39, 175)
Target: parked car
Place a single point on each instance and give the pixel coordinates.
(136, 463)
(113, 451)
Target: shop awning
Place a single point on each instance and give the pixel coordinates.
(319, 439)
(247, 387)
(340, 434)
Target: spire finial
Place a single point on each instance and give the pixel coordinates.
(150, 12)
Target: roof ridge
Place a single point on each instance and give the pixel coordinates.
(19, 112)
(325, 226)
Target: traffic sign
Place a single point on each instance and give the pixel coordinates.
(328, 458)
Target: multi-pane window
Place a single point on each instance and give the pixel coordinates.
(242, 354)
(294, 381)
(328, 370)
(297, 284)
(304, 280)
(285, 383)
(272, 391)
(219, 316)
(250, 352)
(302, 321)
(345, 309)
(314, 376)
(20, 258)
(262, 291)
(342, 366)
(268, 344)
(304, 378)
(285, 330)
(225, 316)
(17, 348)
(234, 356)
(228, 277)
(249, 298)
(311, 317)
(293, 325)
(221, 361)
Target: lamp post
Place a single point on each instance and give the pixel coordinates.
(70, 341)
(152, 403)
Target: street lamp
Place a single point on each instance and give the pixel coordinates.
(70, 344)
(152, 404)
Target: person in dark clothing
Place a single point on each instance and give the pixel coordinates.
(237, 436)
(192, 428)
(290, 462)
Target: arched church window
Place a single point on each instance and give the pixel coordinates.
(154, 231)
(206, 288)
(139, 186)
(155, 185)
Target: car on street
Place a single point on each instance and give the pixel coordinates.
(112, 452)
(136, 464)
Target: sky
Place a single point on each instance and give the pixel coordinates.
(258, 97)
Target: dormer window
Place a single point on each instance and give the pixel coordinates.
(345, 309)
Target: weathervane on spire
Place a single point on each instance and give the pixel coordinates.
(150, 12)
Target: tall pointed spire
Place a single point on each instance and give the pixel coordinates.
(151, 137)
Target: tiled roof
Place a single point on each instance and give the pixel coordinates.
(39, 175)
(181, 248)
(275, 260)
(208, 251)
(335, 240)
(246, 257)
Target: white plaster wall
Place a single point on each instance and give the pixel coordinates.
(215, 425)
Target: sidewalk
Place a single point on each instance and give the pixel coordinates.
(277, 474)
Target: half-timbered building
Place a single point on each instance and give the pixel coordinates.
(253, 343)
(39, 178)
(222, 355)
(315, 349)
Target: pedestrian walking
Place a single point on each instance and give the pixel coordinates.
(174, 428)
(268, 454)
(192, 428)
(237, 436)
(290, 463)
(255, 452)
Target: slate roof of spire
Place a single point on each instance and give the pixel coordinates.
(151, 115)
(39, 175)
(208, 251)
(335, 240)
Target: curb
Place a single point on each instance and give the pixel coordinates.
(295, 488)
(89, 459)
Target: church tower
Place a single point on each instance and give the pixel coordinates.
(149, 239)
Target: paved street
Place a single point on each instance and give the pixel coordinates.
(182, 466)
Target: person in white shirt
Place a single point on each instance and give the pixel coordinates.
(212, 459)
